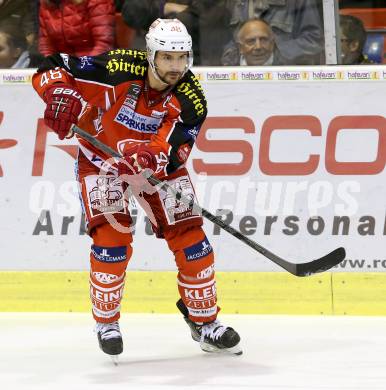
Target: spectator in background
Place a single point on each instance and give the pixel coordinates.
(352, 40)
(296, 25)
(19, 13)
(118, 5)
(76, 27)
(255, 45)
(35, 5)
(13, 48)
(206, 20)
(139, 14)
(213, 27)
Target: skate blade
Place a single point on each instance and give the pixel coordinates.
(236, 350)
(114, 359)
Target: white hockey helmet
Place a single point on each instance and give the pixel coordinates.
(168, 35)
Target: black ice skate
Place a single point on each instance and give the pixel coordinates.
(110, 339)
(212, 336)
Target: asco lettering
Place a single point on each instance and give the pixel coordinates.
(253, 141)
(246, 148)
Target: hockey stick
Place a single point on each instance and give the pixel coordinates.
(298, 269)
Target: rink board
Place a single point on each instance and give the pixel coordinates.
(284, 150)
(239, 293)
(333, 118)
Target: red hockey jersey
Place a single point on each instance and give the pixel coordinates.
(120, 110)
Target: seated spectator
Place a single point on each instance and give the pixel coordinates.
(19, 13)
(255, 46)
(296, 25)
(76, 27)
(13, 49)
(206, 20)
(352, 40)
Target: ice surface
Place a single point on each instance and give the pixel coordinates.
(50, 351)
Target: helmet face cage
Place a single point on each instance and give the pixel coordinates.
(168, 35)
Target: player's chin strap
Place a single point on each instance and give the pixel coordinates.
(298, 269)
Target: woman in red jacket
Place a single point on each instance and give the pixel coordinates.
(77, 27)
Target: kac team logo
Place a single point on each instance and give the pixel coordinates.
(105, 278)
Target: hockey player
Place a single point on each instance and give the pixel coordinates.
(149, 107)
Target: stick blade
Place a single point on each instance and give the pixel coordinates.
(322, 264)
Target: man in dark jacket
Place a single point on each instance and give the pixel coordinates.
(206, 20)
